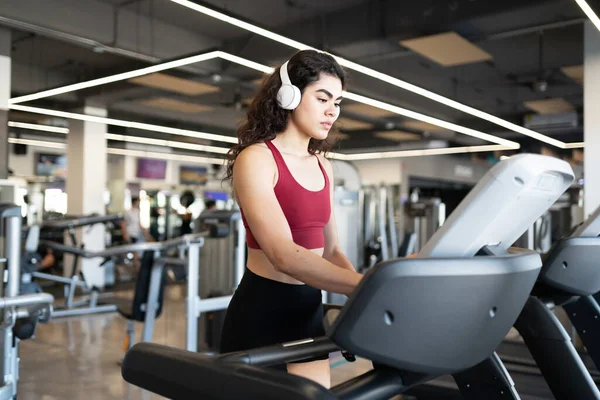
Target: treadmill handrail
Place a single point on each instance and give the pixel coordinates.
(185, 240)
(281, 353)
(81, 221)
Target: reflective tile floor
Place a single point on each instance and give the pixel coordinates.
(77, 357)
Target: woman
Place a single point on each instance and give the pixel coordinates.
(284, 186)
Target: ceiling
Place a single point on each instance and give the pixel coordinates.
(523, 48)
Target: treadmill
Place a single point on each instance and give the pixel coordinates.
(444, 312)
(569, 279)
(546, 364)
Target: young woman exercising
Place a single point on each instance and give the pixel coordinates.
(284, 186)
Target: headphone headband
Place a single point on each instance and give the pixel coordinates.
(283, 73)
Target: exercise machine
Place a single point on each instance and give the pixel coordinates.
(444, 312)
(89, 302)
(19, 314)
(223, 261)
(569, 278)
(146, 303)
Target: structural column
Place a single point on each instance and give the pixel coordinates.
(5, 49)
(86, 181)
(591, 117)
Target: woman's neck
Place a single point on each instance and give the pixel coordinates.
(293, 141)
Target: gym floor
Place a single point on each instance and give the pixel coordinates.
(77, 357)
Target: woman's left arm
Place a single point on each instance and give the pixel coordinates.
(332, 251)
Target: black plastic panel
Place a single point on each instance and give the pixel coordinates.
(180, 374)
(435, 316)
(573, 265)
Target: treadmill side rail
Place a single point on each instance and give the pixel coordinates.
(585, 317)
(487, 380)
(554, 353)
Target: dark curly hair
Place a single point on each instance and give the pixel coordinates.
(265, 118)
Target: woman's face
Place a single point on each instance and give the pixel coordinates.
(319, 107)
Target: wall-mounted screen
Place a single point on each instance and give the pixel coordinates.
(150, 168)
(51, 165)
(192, 175)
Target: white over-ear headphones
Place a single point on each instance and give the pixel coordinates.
(288, 95)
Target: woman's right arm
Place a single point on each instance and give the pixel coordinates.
(253, 174)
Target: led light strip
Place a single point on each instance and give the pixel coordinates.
(419, 153)
(126, 124)
(431, 120)
(125, 152)
(374, 74)
(356, 97)
(167, 143)
(36, 127)
(589, 12)
(129, 139)
(115, 78)
(165, 156)
(575, 145)
(337, 156)
(41, 143)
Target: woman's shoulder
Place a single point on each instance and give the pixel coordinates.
(256, 156)
(256, 151)
(326, 163)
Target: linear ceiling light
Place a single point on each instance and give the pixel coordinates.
(167, 143)
(129, 139)
(575, 145)
(41, 143)
(337, 156)
(589, 12)
(164, 156)
(372, 73)
(431, 120)
(266, 69)
(419, 153)
(115, 78)
(125, 152)
(340, 156)
(38, 127)
(126, 124)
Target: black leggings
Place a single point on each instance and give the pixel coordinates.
(264, 312)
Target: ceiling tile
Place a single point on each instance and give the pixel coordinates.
(574, 72)
(364, 109)
(174, 84)
(397, 135)
(348, 124)
(447, 49)
(423, 126)
(549, 106)
(176, 105)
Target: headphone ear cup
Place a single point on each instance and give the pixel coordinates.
(297, 97)
(288, 97)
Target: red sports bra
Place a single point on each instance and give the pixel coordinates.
(306, 211)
